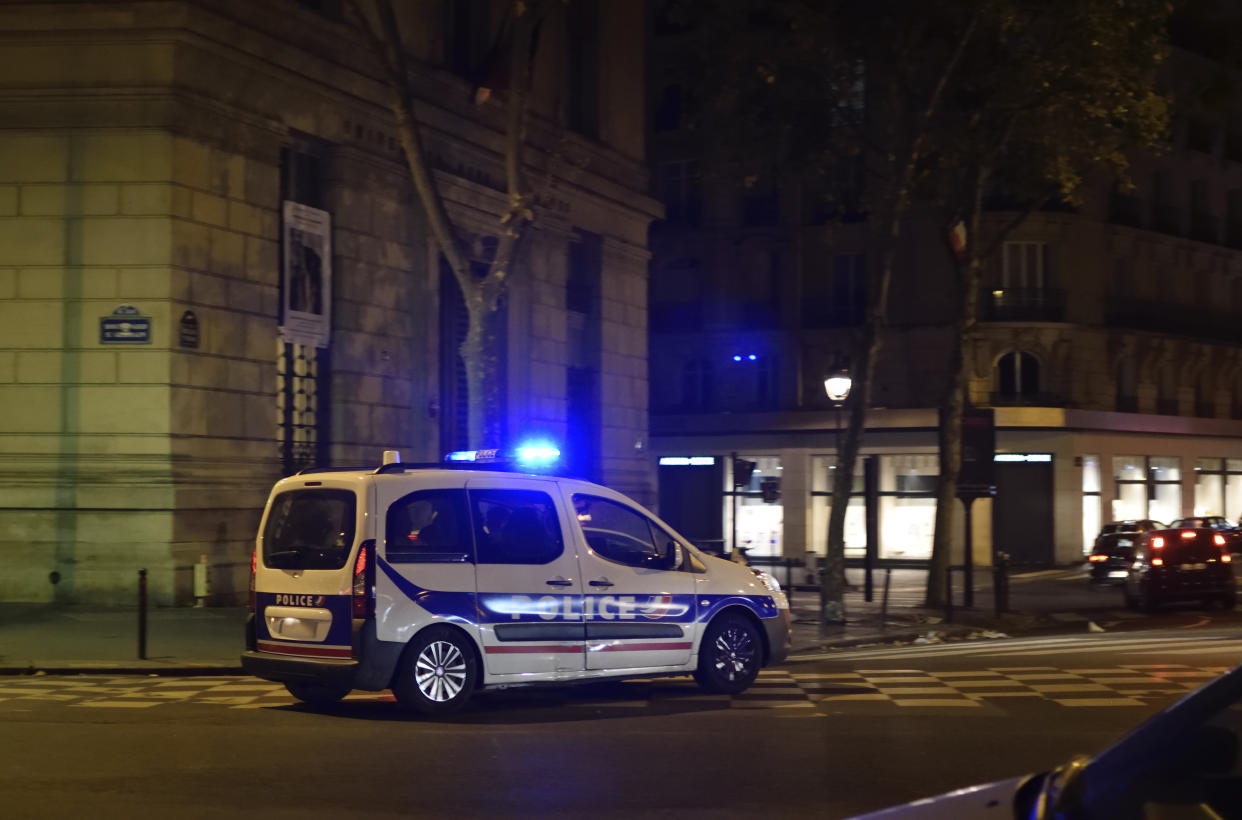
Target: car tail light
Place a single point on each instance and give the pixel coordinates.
(254, 567)
(1188, 534)
(1097, 557)
(1218, 540)
(1157, 542)
(364, 581)
(1226, 558)
(1157, 562)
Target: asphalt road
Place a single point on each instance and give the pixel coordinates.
(825, 737)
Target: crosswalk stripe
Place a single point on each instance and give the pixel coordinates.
(1072, 645)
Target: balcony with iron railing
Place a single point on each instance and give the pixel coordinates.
(1023, 305)
(1163, 316)
(1167, 219)
(1204, 227)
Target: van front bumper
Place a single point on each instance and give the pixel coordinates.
(779, 634)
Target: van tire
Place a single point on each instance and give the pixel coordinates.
(730, 655)
(316, 695)
(437, 673)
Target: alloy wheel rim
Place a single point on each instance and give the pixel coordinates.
(735, 653)
(440, 671)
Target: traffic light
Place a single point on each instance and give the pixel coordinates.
(742, 471)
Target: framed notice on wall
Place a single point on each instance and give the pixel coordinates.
(306, 278)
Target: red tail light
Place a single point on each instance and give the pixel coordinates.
(1097, 558)
(1157, 542)
(1218, 540)
(1226, 558)
(254, 567)
(1157, 562)
(1188, 533)
(364, 581)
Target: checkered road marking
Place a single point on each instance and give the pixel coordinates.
(809, 693)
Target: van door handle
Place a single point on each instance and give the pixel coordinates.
(560, 582)
(602, 582)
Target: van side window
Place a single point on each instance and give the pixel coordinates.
(428, 526)
(515, 527)
(616, 532)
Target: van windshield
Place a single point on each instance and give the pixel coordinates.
(309, 529)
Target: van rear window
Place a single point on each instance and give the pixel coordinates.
(309, 529)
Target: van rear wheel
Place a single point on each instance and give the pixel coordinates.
(437, 673)
(317, 695)
(729, 656)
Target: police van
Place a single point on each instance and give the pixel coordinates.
(438, 581)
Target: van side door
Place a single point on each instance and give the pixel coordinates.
(529, 587)
(638, 600)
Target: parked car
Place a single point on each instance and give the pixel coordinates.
(1180, 565)
(1181, 762)
(1111, 558)
(1232, 533)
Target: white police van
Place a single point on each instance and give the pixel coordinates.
(436, 581)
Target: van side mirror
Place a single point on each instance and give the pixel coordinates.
(674, 555)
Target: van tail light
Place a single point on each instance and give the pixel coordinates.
(364, 581)
(1157, 542)
(1097, 558)
(254, 567)
(1226, 558)
(1218, 540)
(1157, 562)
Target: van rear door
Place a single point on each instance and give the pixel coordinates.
(304, 573)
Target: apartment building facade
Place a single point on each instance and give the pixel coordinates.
(215, 271)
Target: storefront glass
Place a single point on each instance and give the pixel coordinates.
(1090, 501)
(1233, 489)
(1209, 486)
(822, 470)
(760, 524)
(1147, 487)
(907, 505)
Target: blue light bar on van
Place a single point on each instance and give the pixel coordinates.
(537, 454)
(471, 455)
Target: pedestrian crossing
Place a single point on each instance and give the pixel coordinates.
(788, 692)
(1109, 643)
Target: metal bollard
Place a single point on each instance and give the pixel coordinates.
(142, 614)
(1000, 582)
(888, 580)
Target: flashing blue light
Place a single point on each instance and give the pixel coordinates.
(462, 455)
(752, 357)
(737, 358)
(537, 454)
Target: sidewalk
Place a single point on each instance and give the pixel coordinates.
(54, 639)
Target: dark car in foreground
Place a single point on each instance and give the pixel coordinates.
(1233, 535)
(1182, 762)
(1180, 565)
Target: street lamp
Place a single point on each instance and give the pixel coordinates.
(837, 386)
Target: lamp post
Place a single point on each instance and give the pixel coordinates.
(837, 387)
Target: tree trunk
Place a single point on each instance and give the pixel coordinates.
(483, 347)
(953, 404)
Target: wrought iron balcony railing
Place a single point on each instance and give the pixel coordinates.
(1023, 305)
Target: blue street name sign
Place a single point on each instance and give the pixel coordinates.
(125, 327)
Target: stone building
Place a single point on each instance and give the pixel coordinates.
(1108, 349)
(148, 398)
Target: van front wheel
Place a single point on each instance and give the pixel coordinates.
(729, 655)
(437, 673)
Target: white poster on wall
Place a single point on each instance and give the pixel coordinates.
(306, 245)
